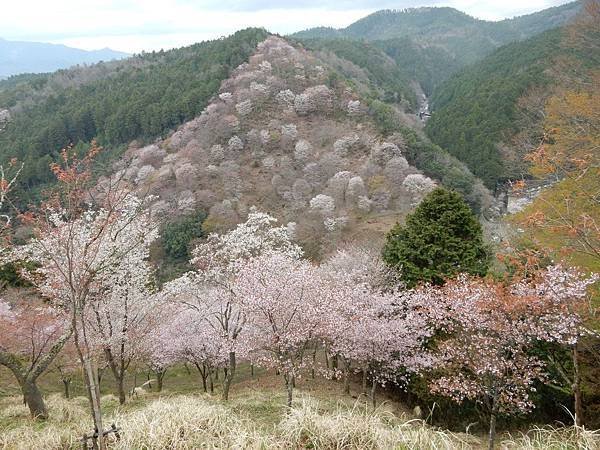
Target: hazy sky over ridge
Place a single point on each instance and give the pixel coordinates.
(135, 25)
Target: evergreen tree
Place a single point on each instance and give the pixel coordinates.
(441, 238)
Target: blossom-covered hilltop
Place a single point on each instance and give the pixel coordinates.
(288, 135)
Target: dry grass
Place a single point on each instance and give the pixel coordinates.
(255, 419)
(571, 438)
(359, 427)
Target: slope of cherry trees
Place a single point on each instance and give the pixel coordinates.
(283, 136)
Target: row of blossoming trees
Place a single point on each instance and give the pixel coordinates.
(252, 297)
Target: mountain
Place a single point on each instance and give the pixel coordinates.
(489, 114)
(148, 96)
(477, 108)
(34, 57)
(441, 40)
(386, 79)
(290, 135)
(142, 97)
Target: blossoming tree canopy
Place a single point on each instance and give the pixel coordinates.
(31, 336)
(282, 302)
(222, 254)
(78, 258)
(209, 292)
(490, 329)
(80, 253)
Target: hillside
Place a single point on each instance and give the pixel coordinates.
(290, 136)
(477, 109)
(180, 418)
(386, 79)
(35, 57)
(141, 97)
(489, 114)
(442, 40)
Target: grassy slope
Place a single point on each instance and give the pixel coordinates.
(181, 418)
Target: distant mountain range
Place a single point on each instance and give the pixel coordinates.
(462, 36)
(35, 57)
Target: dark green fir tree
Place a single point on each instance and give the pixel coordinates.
(440, 239)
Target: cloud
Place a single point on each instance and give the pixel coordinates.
(135, 25)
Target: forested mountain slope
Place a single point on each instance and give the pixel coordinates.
(291, 136)
(138, 98)
(388, 81)
(477, 108)
(487, 114)
(36, 57)
(439, 41)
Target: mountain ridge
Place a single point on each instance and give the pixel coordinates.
(442, 34)
(19, 57)
(369, 28)
(288, 135)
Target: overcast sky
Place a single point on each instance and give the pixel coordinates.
(135, 25)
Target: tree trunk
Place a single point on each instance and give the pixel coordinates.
(334, 366)
(27, 380)
(251, 370)
(203, 376)
(67, 385)
(217, 373)
(160, 375)
(289, 384)
(210, 381)
(119, 375)
(134, 384)
(33, 398)
(229, 376)
(346, 376)
(120, 382)
(492, 434)
(364, 381)
(577, 388)
(149, 380)
(493, 413)
(373, 388)
(314, 362)
(94, 393)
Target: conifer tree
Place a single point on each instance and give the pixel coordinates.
(441, 238)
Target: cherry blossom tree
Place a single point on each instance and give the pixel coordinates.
(203, 346)
(489, 328)
(561, 310)
(208, 292)
(124, 314)
(83, 241)
(283, 305)
(162, 347)
(32, 336)
(382, 334)
(32, 332)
